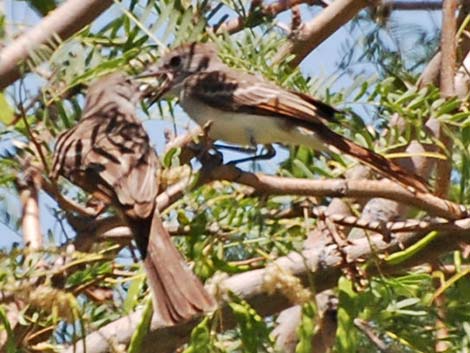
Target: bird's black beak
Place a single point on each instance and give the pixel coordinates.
(154, 83)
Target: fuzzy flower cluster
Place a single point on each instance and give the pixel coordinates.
(278, 279)
(50, 300)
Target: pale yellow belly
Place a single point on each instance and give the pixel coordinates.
(247, 129)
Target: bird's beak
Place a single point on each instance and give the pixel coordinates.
(154, 83)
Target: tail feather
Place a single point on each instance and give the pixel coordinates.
(178, 293)
(379, 163)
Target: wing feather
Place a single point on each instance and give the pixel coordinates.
(241, 92)
(116, 155)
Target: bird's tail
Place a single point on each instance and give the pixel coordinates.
(378, 163)
(178, 293)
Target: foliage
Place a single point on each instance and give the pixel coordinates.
(224, 227)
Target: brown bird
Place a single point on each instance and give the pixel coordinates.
(246, 109)
(108, 154)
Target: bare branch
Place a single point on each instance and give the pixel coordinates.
(410, 225)
(174, 192)
(431, 74)
(64, 202)
(65, 21)
(285, 333)
(444, 168)
(272, 185)
(28, 186)
(313, 33)
(448, 49)
(264, 184)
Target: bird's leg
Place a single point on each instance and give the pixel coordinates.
(248, 149)
(270, 153)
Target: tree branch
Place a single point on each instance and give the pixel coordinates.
(444, 167)
(272, 185)
(237, 24)
(64, 21)
(321, 264)
(28, 186)
(431, 74)
(313, 33)
(448, 50)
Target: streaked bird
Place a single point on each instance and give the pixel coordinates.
(109, 155)
(245, 109)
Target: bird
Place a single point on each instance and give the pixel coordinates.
(246, 109)
(108, 154)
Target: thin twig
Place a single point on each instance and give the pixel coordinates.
(402, 226)
(64, 202)
(368, 330)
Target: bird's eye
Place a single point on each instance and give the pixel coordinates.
(175, 61)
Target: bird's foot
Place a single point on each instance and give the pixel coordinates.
(98, 206)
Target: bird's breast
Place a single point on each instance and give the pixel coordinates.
(248, 129)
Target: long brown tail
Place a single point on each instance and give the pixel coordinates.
(178, 293)
(380, 164)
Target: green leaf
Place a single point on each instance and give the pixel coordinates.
(448, 107)
(201, 341)
(10, 344)
(252, 326)
(346, 334)
(43, 6)
(6, 111)
(411, 251)
(171, 156)
(362, 91)
(133, 293)
(306, 329)
(135, 346)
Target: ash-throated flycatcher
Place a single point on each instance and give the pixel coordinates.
(245, 109)
(108, 154)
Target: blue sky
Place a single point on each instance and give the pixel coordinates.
(322, 64)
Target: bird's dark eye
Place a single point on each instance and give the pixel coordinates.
(175, 61)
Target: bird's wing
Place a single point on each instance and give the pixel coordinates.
(116, 156)
(241, 92)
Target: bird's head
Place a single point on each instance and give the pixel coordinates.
(177, 65)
